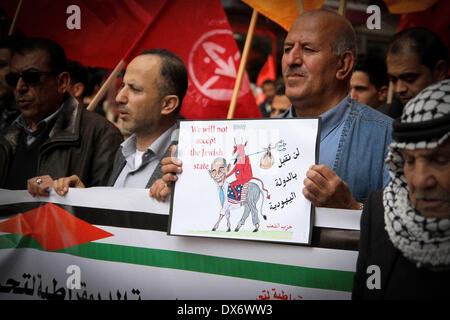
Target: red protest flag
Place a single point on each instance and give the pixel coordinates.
(198, 31)
(267, 71)
(106, 29)
(208, 48)
(434, 18)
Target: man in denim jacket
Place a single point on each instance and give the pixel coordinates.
(317, 63)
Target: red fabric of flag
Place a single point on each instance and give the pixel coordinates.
(53, 227)
(107, 28)
(267, 71)
(435, 18)
(198, 31)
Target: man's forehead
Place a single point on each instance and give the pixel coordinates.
(143, 67)
(310, 27)
(5, 54)
(360, 78)
(403, 62)
(281, 100)
(218, 164)
(35, 59)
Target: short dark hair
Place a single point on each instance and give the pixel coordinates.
(95, 77)
(78, 72)
(422, 41)
(268, 81)
(375, 68)
(173, 73)
(56, 56)
(9, 42)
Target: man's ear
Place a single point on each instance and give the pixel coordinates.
(63, 82)
(169, 104)
(440, 70)
(77, 89)
(345, 65)
(382, 93)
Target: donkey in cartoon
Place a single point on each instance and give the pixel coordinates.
(248, 197)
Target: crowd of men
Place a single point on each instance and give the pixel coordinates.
(394, 164)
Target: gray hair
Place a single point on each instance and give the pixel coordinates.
(344, 35)
(219, 159)
(344, 42)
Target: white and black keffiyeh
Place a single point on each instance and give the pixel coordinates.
(424, 124)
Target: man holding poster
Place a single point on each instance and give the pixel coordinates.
(317, 63)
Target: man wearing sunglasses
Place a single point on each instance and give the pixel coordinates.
(8, 109)
(54, 136)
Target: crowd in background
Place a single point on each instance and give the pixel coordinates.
(50, 140)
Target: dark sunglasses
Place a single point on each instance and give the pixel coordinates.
(29, 77)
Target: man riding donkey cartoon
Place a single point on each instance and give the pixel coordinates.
(240, 192)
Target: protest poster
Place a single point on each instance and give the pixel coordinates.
(243, 179)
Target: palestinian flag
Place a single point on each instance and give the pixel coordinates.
(107, 243)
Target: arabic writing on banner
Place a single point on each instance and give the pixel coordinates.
(33, 287)
(133, 257)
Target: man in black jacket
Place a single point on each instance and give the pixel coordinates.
(404, 248)
(54, 136)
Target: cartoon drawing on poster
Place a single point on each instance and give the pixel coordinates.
(242, 179)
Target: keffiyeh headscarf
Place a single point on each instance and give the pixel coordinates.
(424, 124)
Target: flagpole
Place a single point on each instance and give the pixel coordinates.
(121, 63)
(390, 93)
(13, 23)
(300, 6)
(342, 7)
(241, 71)
(101, 92)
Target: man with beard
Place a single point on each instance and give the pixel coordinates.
(416, 58)
(54, 136)
(404, 248)
(150, 99)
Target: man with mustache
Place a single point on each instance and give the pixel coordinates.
(319, 55)
(54, 136)
(405, 228)
(416, 58)
(150, 99)
(317, 64)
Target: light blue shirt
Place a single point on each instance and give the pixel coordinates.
(137, 177)
(354, 142)
(332, 124)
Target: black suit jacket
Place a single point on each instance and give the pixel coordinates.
(400, 278)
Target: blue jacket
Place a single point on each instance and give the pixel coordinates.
(362, 149)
